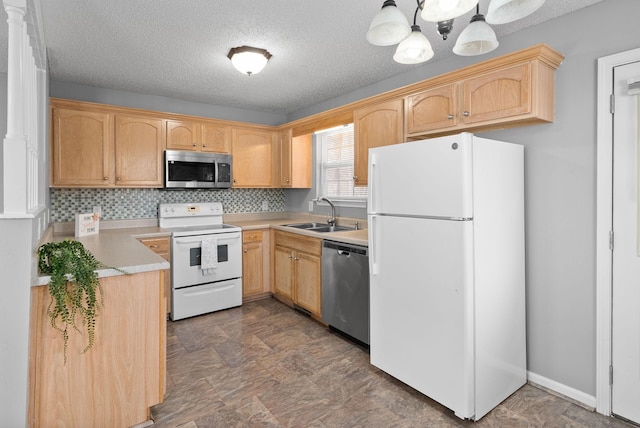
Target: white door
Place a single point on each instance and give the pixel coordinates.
(420, 306)
(440, 171)
(626, 253)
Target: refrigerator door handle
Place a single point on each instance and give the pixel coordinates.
(372, 180)
(373, 260)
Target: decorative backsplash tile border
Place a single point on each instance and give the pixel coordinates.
(127, 204)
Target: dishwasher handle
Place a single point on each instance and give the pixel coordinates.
(345, 249)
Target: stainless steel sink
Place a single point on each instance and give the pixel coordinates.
(331, 229)
(319, 227)
(305, 225)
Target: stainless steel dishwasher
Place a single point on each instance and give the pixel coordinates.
(345, 288)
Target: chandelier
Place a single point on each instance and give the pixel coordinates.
(390, 26)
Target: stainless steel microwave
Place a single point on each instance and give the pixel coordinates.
(197, 170)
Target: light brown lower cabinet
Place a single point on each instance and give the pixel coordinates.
(255, 264)
(162, 247)
(116, 382)
(297, 271)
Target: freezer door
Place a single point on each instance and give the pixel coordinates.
(421, 306)
(438, 172)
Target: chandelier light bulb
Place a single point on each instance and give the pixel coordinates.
(442, 10)
(414, 49)
(389, 26)
(448, 5)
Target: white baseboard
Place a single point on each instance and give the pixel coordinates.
(581, 398)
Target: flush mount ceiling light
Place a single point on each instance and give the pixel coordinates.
(391, 27)
(477, 39)
(505, 11)
(248, 60)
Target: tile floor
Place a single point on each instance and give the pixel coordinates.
(264, 364)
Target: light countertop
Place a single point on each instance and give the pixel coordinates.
(357, 237)
(118, 248)
(117, 245)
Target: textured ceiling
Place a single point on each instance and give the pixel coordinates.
(178, 48)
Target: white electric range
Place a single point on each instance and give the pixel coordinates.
(206, 258)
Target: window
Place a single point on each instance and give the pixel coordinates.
(335, 167)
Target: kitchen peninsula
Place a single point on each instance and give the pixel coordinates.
(123, 374)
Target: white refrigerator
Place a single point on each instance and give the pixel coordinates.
(446, 263)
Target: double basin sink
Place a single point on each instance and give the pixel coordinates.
(319, 227)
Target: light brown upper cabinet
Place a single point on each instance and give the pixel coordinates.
(374, 126)
(139, 146)
(295, 160)
(198, 137)
(432, 109)
(253, 151)
(81, 148)
(499, 95)
(92, 147)
(483, 98)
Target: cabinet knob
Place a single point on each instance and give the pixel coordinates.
(235, 181)
(194, 144)
(466, 114)
(287, 180)
(355, 177)
(296, 258)
(105, 178)
(118, 178)
(245, 251)
(204, 145)
(155, 246)
(289, 256)
(450, 117)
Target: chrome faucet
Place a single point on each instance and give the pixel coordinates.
(331, 220)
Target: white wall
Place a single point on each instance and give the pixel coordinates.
(560, 174)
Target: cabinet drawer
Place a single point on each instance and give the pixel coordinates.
(159, 246)
(299, 242)
(252, 236)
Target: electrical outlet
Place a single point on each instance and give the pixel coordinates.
(310, 205)
(265, 205)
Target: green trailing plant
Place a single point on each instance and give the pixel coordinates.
(74, 287)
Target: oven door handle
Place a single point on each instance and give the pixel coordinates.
(222, 238)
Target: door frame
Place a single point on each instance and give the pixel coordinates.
(604, 222)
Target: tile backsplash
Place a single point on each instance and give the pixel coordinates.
(128, 204)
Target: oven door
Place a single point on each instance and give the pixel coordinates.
(185, 257)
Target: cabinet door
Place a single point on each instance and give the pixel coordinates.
(308, 269)
(252, 151)
(252, 268)
(498, 95)
(431, 109)
(216, 138)
(375, 126)
(81, 149)
(139, 148)
(161, 247)
(295, 160)
(183, 135)
(286, 180)
(283, 272)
